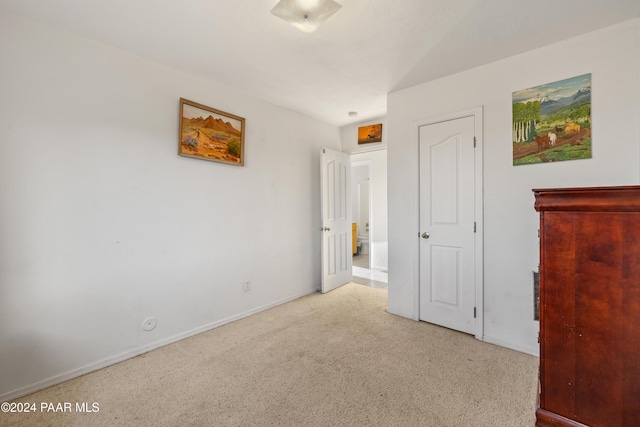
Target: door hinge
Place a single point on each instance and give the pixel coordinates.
(475, 312)
(538, 337)
(474, 226)
(474, 142)
(324, 151)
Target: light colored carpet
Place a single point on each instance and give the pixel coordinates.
(337, 359)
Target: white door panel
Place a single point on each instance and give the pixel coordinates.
(447, 206)
(336, 219)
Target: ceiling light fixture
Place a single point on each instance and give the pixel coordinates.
(305, 15)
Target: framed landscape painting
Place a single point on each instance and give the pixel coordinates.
(552, 122)
(369, 134)
(209, 134)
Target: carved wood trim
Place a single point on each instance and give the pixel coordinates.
(593, 199)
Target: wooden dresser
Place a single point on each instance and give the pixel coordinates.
(589, 306)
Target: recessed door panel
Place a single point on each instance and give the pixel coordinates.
(445, 275)
(445, 172)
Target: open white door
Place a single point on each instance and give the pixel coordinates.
(336, 219)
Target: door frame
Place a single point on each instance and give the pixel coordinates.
(477, 113)
(366, 163)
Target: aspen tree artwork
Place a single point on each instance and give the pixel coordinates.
(552, 122)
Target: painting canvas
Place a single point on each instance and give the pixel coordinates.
(552, 122)
(209, 134)
(369, 134)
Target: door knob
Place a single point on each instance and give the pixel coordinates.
(325, 229)
(425, 235)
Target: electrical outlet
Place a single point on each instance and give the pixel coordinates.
(246, 285)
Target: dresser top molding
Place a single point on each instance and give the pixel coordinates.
(591, 199)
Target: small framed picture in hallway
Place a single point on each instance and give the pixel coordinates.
(370, 133)
(210, 134)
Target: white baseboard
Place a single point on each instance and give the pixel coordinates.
(378, 268)
(402, 313)
(533, 351)
(117, 358)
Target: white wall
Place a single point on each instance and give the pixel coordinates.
(378, 230)
(612, 55)
(102, 224)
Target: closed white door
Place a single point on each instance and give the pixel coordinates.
(336, 219)
(447, 224)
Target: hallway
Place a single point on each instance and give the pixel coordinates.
(364, 276)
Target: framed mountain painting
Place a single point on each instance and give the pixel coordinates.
(210, 134)
(552, 122)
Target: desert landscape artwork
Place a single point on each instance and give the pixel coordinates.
(552, 122)
(369, 134)
(209, 134)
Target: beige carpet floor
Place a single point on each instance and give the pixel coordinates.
(337, 359)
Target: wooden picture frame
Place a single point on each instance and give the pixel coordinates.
(209, 134)
(370, 133)
(552, 122)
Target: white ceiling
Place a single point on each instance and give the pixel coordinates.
(366, 50)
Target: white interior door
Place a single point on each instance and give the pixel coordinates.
(447, 224)
(336, 219)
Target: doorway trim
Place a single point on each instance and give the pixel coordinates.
(478, 114)
(366, 163)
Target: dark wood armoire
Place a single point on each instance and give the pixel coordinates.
(589, 306)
